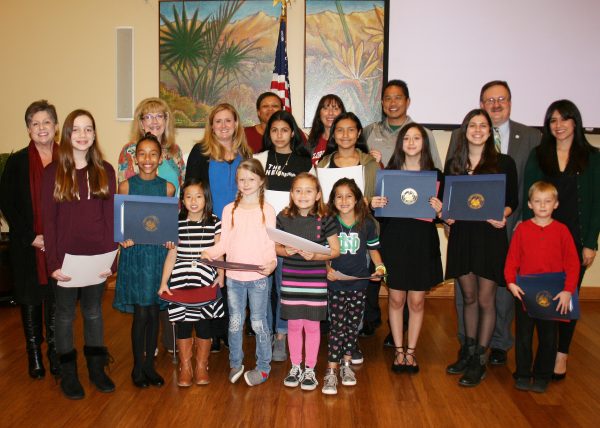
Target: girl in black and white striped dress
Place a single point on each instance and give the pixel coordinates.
(199, 228)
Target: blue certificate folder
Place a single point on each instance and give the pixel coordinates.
(474, 197)
(540, 289)
(146, 219)
(408, 193)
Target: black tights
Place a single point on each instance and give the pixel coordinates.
(479, 297)
(144, 333)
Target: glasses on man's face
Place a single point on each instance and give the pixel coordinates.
(150, 117)
(492, 101)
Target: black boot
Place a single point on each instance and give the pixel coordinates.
(97, 357)
(32, 325)
(69, 382)
(50, 316)
(475, 371)
(152, 377)
(463, 357)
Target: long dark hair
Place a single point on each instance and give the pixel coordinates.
(296, 143)
(460, 164)
(398, 157)
(317, 126)
(207, 214)
(360, 142)
(579, 153)
(361, 210)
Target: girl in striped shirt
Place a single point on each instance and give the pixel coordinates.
(304, 284)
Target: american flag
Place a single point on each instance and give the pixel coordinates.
(280, 84)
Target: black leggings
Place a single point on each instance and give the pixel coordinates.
(479, 297)
(202, 327)
(144, 332)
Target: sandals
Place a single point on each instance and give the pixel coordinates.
(399, 355)
(411, 366)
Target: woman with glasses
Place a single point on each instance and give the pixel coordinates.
(153, 115)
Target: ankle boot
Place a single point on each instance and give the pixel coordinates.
(201, 371)
(69, 381)
(32, 326)
(463, 357)
(97, 358)
(475, 371)
(50, 316)
(152, 377)
(184, 370)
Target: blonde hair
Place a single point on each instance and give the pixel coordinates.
(319, 208)
(255, 167)
(65, 185)
(212, 148)
(155, 105)
(542, 187)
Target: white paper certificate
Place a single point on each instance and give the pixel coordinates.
(328, 177)
(277, 199)
(86, 270)
(289, 240)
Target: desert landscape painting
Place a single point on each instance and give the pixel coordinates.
(213, 52)
(344, 56)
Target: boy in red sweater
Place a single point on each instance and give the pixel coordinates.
(539, 245)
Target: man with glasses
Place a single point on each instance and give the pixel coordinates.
(516, 140)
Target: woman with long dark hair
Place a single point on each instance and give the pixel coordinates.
(566, 159)
(477, 249)
(330, 106)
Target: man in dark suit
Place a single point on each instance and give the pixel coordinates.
(516, 140)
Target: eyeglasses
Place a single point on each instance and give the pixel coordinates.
(492, 101)
(158, 116)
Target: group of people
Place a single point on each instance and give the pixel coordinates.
(58, 199)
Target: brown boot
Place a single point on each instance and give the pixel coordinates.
(202, 353)
(184, 371)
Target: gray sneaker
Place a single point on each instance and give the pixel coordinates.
(309, 381)
(235, 373)
(279, 349)
(294, 377)
(330, 383)
(255, 377)
(347, 375)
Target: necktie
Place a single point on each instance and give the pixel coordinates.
(497, 140)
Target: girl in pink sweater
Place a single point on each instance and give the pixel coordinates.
(244, 239)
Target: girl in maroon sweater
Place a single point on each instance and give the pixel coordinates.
(77, 211)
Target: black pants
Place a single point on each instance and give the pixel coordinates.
(543, 365)
(185, 329)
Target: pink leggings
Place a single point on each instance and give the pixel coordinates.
(312, 332)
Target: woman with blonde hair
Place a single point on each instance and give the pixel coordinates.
(214, 161)
(154, 116)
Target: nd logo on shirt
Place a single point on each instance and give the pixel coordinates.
(349, 243)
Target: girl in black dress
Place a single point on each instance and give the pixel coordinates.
(477, 249)
(415, 266)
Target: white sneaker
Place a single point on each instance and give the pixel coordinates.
(330, 383)
(347, 375)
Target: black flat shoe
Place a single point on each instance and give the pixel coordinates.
(153, 378)
(498, 357)
(388, 342)
(559, 376)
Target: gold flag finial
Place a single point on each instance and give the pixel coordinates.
(284, 5)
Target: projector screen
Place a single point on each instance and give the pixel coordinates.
(446, 50)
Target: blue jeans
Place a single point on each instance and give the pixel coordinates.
(281, 325)
(257, 293)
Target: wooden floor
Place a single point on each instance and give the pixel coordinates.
(381, 398)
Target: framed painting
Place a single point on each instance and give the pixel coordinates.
(215, 51)
(344, 55)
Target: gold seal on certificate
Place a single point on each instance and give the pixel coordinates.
(476, 201)
(409, 196)
(151, 223)
(543, 298)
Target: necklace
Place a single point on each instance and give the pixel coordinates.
(194, 259)
(280, 170)
(342, 224)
